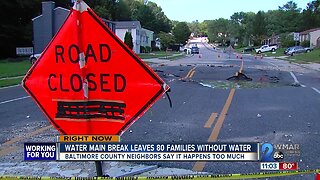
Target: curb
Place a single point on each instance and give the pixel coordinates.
(14, 77)
(306, 67)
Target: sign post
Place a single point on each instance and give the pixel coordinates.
(23, 51)
(296, 37)
(87, 81)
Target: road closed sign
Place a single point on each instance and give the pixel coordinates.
(87, 81)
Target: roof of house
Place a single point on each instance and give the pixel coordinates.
(127, 24)
(308, 31)
(147, 30)
(143, 33)
(55, 9)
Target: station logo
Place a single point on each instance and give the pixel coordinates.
(276, 152)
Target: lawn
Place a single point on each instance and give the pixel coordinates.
(311, 57)
(157, 54)
(239, 50)
(10, 82)
(277, 53)
(12, 69)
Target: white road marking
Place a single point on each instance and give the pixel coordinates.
(10, 86)
(273, 64)
(294, 77)
(316, 90)
(12, 100)
(296, 80)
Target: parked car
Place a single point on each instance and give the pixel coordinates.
(34, 57)
(296, 50)
(194, 50)
(308, 49)
(248, 49)
(266, 48)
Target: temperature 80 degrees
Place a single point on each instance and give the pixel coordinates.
(288, 166)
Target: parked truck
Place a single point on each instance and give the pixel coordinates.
(266, 48)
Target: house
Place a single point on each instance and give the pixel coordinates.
(134, 27)
(140, 36)
(274, 39)
(312, 35)
(147, 37)
(46, 25)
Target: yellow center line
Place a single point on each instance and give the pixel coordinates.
(16, 139)
(211, 119)
(199, 165)
(191, 70)
(214, 134)
(241, 67)
(7, 149)
(192, 74)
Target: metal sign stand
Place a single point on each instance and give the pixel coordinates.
(99, 168)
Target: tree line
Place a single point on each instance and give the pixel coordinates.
(248, 28)
(16, 15)
(243, 28)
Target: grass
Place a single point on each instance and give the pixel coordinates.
(157, 54)
(10, 82)
(277, 53)
(176, 56)
(304, 58)
(239, 50)
(12, 69)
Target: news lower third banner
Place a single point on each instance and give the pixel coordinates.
(106, 151)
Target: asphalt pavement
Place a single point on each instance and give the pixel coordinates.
(280, 104)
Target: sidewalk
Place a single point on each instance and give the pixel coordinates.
(313, 66)
(162, 60)
(156, 60)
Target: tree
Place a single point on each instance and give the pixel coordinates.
(311, 15)
(104, 8)
(123, 11)
(274, 26)
(290, 17)
(16, 24)
(195, 28)
(181, 32)
(128, 40)
(146, 17)
(162, 22)
(203, 29)
(259, 28)
(150, 16)
(166, 39)
(219, 30)
(237, 27)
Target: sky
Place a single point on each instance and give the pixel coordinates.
(191, 10)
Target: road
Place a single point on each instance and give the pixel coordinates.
(280, 105)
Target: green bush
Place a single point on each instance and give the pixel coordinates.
(155, 48)
(287, 40)
(128, 40)
(148, 49)
(305, 43)
(142, 49)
